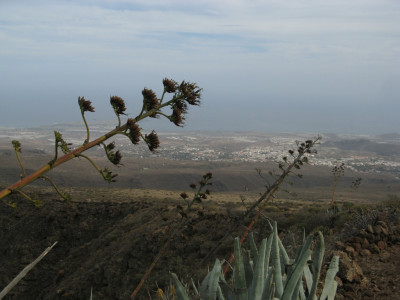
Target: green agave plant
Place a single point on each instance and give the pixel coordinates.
(269, 273)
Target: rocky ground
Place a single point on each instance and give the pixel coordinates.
(108, 246)
(370, 261)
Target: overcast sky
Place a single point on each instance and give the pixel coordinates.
(272, 65)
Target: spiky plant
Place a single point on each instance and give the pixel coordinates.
(268, 273)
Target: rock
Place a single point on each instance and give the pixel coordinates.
(365, 252)
(381, 245)
(349, 270)
(384, 256)
(377, 229)
(350, 250)
(382, 217)
(339, 281)
(374, 248)
(365, 243)
(385, 231)
(383, 224)
(357, 247)
(340, 245)
(363, 233)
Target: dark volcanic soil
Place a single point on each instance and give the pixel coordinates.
(104, 246)
(108, 247)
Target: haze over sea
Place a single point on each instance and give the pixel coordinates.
(330, 66)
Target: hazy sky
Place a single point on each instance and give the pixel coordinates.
(272, 65)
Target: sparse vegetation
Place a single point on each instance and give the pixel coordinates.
(166, 231)
(268, 273)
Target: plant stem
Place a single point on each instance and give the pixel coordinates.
(59, 161)
(20, 163)
(55, 187)
(25, 271)
(264, 197)
(153, 264)
(91, 161)
(43, 170)
(87, 127)
(24, 195)
(162, 97)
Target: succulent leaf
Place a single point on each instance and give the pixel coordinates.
(253, 246)
(316, 266)
(209, 286)
(257, 286)
(276, 264)
(330, 284)
(239, 276)
(179, 288)
(248, 268)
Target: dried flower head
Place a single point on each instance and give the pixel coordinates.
(207, 176)
(152, 141)
(17, 145)
(192, 185)
(150, 100)
(60, 142)
(110, 146)
(108, 175)
(118, 105)
(356, 183)
(115, 158)
(176, 117)
(170, 85)
(85, 105)
(184, 195)
(191, 92)
(133, 131)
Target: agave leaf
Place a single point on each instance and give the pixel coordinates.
(284, 255)
(206, 279)
(269, 286)
(257, 285)
(268, 253)
(195, 288)
(179, 288)
(219, 293)
(330, 284)
(296, 275)
(316, 266)
(253, 246)
(299, 291)
(308, 277)
(276, 264)
(239, 276)
(226, 290)
(209, 286)
(248, 268)
(304, 248)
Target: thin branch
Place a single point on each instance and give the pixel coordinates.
(25, 271)
(264, 197)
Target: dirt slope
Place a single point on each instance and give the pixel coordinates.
(108, 246)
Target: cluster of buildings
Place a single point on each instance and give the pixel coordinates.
(226, 147)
